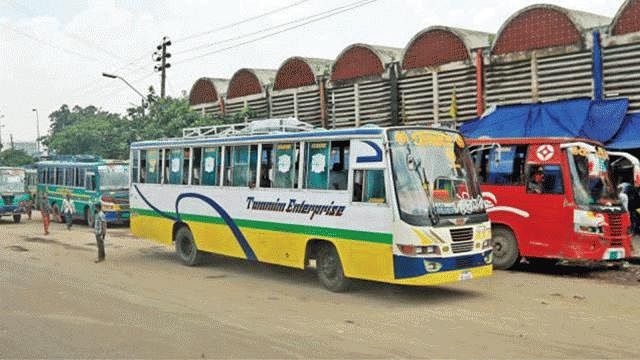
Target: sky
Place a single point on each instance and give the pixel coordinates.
(54, 52)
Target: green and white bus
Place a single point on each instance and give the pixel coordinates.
(89, 180)
(14, 198)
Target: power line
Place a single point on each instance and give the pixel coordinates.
(204, 46)
(271, 12)
(50, 44)
(30, 12)
(273, 33)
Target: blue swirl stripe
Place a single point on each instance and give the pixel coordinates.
(242, 240)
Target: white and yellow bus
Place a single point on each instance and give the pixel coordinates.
(399, 205)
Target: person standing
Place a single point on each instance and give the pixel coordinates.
(45, 211)
(100, 225)
(68, 210)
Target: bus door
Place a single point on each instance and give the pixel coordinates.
(545, 199)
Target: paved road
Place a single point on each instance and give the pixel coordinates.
(55, 302)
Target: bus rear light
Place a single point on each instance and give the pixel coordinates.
(411, 250)
(107, 199)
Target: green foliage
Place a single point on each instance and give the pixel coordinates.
(13, 157)
(93, 131)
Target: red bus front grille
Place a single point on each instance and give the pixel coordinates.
(616, 230)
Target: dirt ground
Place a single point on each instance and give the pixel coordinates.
(141, 302)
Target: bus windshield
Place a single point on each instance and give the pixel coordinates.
(590, 178)
(11, 181)
(433, 176)
(114, 177)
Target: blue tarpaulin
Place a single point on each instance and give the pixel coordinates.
(594, 119)
(629, 135)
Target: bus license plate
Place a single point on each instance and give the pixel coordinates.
(614, 254)
(466, 275)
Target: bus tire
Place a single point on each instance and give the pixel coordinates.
(16, 218)
(505, 248)
(186, 247)
(88, 217)
(329, 267)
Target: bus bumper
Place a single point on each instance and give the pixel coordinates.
(117, 217)
(7, 210)
(434, 271)
(597, 248)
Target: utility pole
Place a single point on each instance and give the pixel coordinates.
(161, 56)
(12, 145)
(35, 110)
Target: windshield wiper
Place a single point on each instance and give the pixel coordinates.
(434, 217)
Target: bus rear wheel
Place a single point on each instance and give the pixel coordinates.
(329, 267)
(16, 218)
(505, 248)
(186, 247)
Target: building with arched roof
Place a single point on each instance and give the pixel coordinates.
(540, 53)
(621, 55)
(249, 88)
(299, 91)
(436, 62)
(207, 95)
(362, 86)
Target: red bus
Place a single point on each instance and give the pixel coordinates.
(550, 199)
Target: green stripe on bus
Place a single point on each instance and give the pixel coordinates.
(368, 236)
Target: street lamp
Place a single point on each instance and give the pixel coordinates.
(1, 126)
(112, 76)
(37, 131)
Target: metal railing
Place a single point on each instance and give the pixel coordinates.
(256, 127)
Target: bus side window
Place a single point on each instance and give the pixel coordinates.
(240, 166)
(173, 162)
(544, 179)
(60, 176)
(90, 181)
(185, 165)
(368, 186)
(339, 165)
(503, 165)
(266, 166)
(135, 155)
(317, 165)
(284, 169)
(197, 162)
(165, 166)
(81, 174)
(210, 166)
(51, 176)
(152, 162)
(69, 177)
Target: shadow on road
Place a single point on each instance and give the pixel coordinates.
(227, 267)
(626, 275)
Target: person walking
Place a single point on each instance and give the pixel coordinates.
(68, 209)
(100, 225)
(45, 211)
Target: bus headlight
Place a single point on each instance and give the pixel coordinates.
(488, 259)
(109, 207)
(412, 250)
(432, 266)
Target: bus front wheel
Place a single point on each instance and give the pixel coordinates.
(330, 270)
(88, 217)
(505, 248)
(186, 247)
(16, 218)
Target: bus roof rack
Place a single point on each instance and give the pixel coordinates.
(256, 127)
(75, 158)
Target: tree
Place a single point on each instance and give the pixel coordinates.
(13, 157)
(87, 131)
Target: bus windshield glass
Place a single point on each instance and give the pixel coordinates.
(114, 177)
(11, 181)
(590, 178)
(433, 176)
